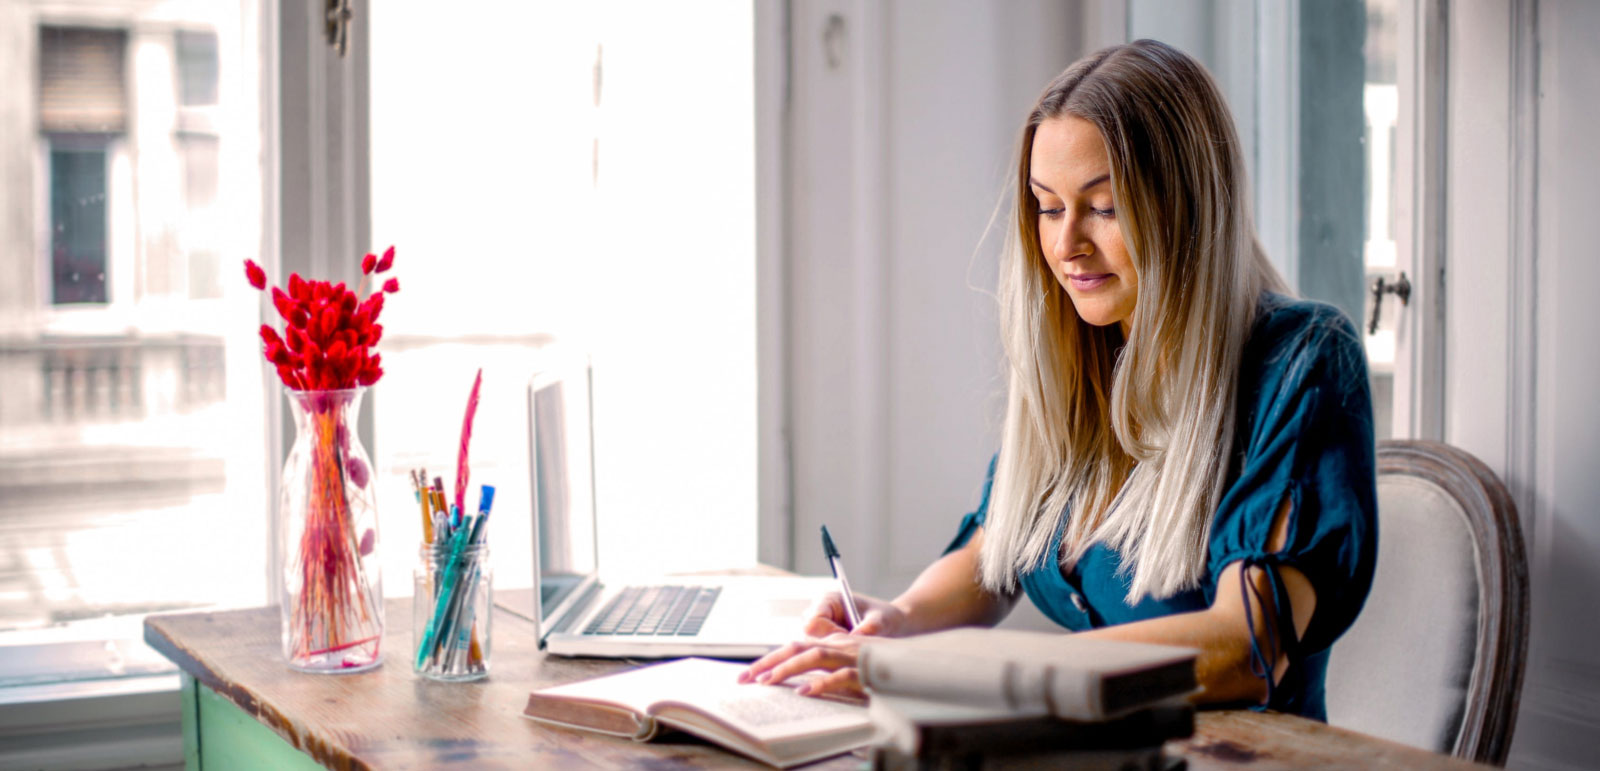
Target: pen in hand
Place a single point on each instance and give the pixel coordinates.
(837, 565)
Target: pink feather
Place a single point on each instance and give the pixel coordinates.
(466, 438)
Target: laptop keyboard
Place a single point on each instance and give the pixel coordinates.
(656, 610)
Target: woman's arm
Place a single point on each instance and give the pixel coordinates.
(948, 594)
(1220, 631)
(1223, 669)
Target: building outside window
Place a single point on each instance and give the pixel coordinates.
(132, 440)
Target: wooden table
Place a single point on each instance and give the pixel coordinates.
(245, 708)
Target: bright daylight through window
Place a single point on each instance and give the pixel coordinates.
(131, 403)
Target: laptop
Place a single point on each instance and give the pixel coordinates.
(577, 614)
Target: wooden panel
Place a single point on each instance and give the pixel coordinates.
(390, 718)
(191, 723)
(229, 738)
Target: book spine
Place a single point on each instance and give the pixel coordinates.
(1020, 686)
(1072, 693)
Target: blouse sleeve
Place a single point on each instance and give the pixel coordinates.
(973, 520)
(1310, 441)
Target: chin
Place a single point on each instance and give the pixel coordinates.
(1093, 315)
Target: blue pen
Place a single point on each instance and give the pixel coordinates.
(485, 502)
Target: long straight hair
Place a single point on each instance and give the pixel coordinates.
(1129, 439)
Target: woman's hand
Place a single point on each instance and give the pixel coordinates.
(830, 646)
(834, 654)
(878, 618)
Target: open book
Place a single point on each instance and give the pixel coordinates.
(770, 723)
(1028, 673)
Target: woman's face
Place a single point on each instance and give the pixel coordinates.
(1070, 175)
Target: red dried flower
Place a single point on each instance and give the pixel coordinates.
(284, 303)
(330, 332)
(254, 273)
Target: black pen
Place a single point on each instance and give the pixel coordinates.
(834, 562)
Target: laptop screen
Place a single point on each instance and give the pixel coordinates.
(563, 488)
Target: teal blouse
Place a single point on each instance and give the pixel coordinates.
(1304, 431)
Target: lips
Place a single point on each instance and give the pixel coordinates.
(1087, 281)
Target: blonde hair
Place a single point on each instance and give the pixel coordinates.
(1132, 446)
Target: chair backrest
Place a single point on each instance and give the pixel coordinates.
(1435, 659)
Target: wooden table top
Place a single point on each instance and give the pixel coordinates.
(390, 718)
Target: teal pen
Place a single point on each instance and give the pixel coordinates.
(452, 574)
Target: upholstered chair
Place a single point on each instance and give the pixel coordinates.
(1435, 659)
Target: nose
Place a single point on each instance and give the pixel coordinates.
(1070, 241)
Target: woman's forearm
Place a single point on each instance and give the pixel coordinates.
(948, 594)
(1221, 634)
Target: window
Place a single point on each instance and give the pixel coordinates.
(131, 412)
(1381, 108)
(197, 67)
(77, 221)
(587, 178)
(1317, 92)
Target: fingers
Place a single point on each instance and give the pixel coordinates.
(829, 653)
(762, 665)
(826, 613)
(845, 682)
(818, 626)
(871, 624)
(814, 657)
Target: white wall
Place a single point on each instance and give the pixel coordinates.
(899, 149)
(1561, 697)
(1520, 327)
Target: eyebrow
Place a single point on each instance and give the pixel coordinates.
(1086, 186)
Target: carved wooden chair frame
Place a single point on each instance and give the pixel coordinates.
(1495, 686)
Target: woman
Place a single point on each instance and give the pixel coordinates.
(1187, 455)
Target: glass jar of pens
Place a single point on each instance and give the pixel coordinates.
(454, 582)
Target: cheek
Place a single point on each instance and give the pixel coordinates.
(1047, 236)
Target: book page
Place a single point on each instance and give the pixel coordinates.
(762, 712)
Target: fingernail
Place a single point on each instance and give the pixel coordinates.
(804, 690)
(765, 676)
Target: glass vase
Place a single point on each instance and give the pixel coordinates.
(332, 608)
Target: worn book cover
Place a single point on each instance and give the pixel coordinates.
(1069, 676)
(920, 728)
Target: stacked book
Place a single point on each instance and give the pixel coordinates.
(1000, 699)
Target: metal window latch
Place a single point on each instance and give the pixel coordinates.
(1400, 287)
(338, 25)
